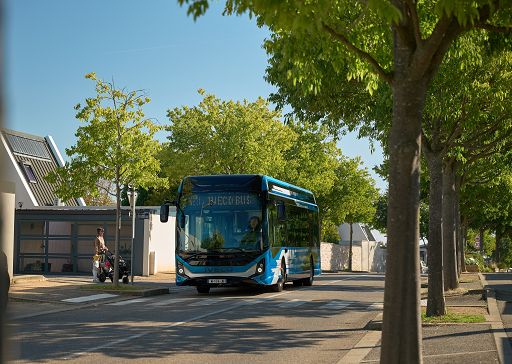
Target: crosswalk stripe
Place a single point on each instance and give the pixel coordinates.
(171, 301)
(209, 301)
(337, 305)
(93, 297)
(292, 303)
(129, 302)
(376, 306)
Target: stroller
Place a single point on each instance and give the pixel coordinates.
(106, 269)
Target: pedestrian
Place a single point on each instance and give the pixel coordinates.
(99, 250)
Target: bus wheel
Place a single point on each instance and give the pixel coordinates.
(279, 286)
(309, 281)
(203, 289)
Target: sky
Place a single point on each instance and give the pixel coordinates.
(151, 45)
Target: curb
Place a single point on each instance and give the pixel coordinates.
(501, 338)
(20, 279)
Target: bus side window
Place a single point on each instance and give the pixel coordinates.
(279, 225)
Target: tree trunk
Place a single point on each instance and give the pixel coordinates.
(401, 329)
(451, 280)
(118, 234)
(464, 239)
(458, 227)
(497, 254)
(435, 302)
(350, 249)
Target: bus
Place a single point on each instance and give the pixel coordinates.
(236, 230)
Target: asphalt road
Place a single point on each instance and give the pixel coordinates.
(317, 324)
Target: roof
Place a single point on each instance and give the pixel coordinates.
(35, 158)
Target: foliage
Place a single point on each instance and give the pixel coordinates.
(115, 144)
(225, 137)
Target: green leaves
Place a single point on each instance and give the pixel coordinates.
(115, 143)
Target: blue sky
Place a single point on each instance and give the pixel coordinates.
(150, 45)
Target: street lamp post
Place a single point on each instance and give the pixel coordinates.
(132, 197)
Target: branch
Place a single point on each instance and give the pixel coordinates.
(494, 28)
(386, 76)
(415, 22)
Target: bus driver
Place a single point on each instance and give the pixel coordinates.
(251, 239)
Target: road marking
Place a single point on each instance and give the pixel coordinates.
(292, 303)
(171, 301)
(94, 297)
(376, 306)
(129, 302)
(337, 305)
(362, 348)
(209, 301)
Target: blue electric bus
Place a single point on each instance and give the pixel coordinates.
(234, 230)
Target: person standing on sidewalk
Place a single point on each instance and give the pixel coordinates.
(99, 251)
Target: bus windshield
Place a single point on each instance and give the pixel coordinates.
(219, 222)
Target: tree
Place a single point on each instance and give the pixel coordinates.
(225, 137)
(115, 144)
(352, 198)
(402, 43)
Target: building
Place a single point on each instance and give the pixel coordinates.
(26, 160)
(48, 236)
(59, 240)
(368, 254)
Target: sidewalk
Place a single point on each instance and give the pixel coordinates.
(38, 295)
(456, 343)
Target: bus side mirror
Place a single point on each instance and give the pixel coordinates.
(164, 212)
(281, 212)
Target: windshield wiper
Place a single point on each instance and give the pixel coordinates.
(234, 249)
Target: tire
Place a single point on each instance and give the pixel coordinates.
(125, 280)
(308, 282)
(279, 286)
(112, 278)
(102, 277)
(203, 289)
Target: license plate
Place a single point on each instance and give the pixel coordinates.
(217, 281)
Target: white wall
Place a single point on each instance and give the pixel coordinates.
(366, 257)
(162, 242)
(7, 199)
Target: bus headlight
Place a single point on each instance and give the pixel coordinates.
(260, 267)
(181, 269)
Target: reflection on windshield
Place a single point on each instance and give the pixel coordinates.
(220, 222)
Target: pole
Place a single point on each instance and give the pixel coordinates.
(133, 197)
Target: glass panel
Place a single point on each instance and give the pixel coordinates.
(32, 228)
(32, 265)
(126, 230)
(60, 265)
(59, 228)
(220, 221)
(125, 246)
(59, 247)
(84, 265)
(89, 228)
(85, 247)
(35, 246)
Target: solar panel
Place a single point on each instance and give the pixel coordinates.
(26, 146)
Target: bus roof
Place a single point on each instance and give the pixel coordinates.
(254, 182)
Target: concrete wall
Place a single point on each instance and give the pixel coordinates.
(7, 206)
(366, 257)
(162, 242)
